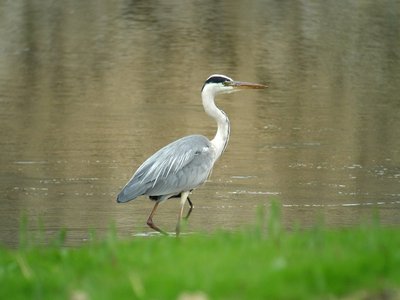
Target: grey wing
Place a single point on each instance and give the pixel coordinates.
(180, 166)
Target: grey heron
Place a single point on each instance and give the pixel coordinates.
(183, 165)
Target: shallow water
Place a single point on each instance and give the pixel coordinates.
(88, 90)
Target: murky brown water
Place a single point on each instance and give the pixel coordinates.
(90, 89)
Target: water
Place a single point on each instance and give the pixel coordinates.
(88, 90)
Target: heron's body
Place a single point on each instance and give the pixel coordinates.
(164, 175)
(185, 164)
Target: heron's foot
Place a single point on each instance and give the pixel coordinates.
(181, 227)
(151, 224)
(190, 209)
(178, 228)
(188, 214)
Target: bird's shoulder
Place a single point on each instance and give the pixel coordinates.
(190, 142)
(183, 149)
(174, 156)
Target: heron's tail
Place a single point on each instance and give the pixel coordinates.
(121, 198)
(130, 192)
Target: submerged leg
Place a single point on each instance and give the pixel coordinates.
(184, 197)
(190, 208)
(150, 220)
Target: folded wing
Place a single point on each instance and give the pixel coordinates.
(180, 166)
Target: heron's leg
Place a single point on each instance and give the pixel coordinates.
(150, 220)
(184, 196)
(190, 208)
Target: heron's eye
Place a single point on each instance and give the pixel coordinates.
(226, 83)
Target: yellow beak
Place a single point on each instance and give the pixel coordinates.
(245, 85)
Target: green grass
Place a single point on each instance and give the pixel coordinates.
(261, 262)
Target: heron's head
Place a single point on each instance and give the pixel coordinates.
(221, 84)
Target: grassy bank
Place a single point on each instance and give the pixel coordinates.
(262, 262)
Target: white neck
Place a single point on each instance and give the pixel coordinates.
(220, 141)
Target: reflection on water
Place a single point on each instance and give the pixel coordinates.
(89, 90)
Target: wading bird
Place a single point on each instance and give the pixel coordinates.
(183, 165)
